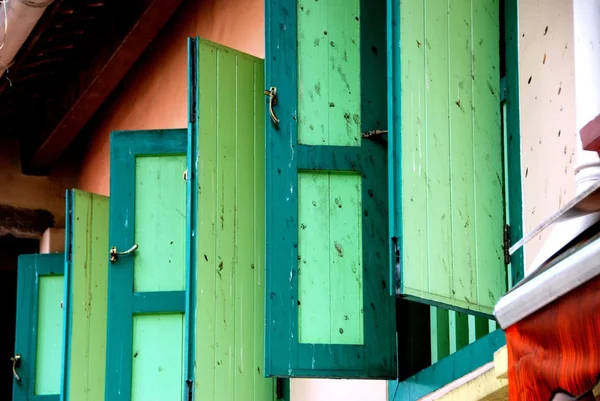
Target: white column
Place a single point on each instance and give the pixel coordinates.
(586, 15)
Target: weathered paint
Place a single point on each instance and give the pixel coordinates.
(450, 166)
(86, 302)
(149, 194)
(157, 357)
(316, 210)
(39, 326)
(226, 171)
(447, 368)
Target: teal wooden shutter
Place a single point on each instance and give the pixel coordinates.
(446, 172)
(226, 185)
(329, 311)
(147, 317)
(86, 278)
(39, 329)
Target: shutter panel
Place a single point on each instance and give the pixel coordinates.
(87, 291)
(147, 327)
(226, 185)
(329, 311)
(39, 328)
(446, 154)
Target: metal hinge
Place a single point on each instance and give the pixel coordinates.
(506, 244)
(190, 385)
(502, 89)
(377, 132)
(397, 266)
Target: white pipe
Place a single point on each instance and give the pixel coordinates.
(17, 20)
(586, 23)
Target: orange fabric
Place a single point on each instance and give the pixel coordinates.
(557, 348)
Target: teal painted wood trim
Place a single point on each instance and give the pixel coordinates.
(125, 146)
(448, 369)
(159, 302)
(30, 268)
(285, 356)
(513, 130)
(68, 315)
(394, 84)
(191, 216)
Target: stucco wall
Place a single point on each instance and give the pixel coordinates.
(548, 131)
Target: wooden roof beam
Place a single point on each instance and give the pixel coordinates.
(111, 68)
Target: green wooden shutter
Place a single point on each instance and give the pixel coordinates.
(147, 326)
(446, 154)
(87, 291)
(227, 184)
(329, 311)
(39, 329)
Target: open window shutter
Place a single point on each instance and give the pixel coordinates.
(329, 309)
(39, 329)
(86, 301)
(147, 281)
(446, 154)
(226, 184)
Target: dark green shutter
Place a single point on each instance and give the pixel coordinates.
(329, 311)
(39, 328)
(147, 306)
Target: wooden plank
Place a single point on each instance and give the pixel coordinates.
(461, 105)
(489, 173)
(440, 334)
(414, 198)
(437, 140)
(109, 69)
(87, 299)
(229, 134)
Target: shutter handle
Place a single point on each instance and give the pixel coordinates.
(16, 363)
(114, 253)
(272, 93)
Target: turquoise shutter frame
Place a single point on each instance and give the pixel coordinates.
(86, 283)
(39, 328)
(356, 172)
(226, 191)
(147, 313)
(448, 210)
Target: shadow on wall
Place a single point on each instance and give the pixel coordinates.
(10, 249)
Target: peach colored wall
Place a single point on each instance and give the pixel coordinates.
(154, 94)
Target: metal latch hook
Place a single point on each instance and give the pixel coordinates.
(272, 93)
(16, 362)
(114, 253)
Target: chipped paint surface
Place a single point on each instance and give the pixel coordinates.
(548, 131)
